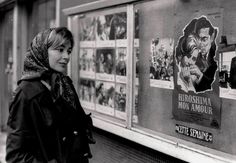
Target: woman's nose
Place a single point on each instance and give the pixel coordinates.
(66, 55)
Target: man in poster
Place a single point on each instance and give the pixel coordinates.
(204, 67)
(205, 61)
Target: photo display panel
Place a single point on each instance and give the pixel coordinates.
(103, 62)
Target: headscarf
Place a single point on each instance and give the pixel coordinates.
(36, 65)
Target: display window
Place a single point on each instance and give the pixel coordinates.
(159, 68)
(103, 58)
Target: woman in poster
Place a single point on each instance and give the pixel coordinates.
(189, 51)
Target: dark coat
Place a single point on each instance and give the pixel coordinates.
(41, 129)
(208, 73)
(207, 78)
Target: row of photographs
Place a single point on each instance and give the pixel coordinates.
(105, 64)
(105, 27)
(110, 64)
(106, 97)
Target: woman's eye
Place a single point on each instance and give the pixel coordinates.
(61, 50)
(69, 51)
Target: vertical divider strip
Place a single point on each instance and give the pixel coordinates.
(130, 65)
(73, 66)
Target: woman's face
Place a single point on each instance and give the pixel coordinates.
(192, 59)
(59, 57)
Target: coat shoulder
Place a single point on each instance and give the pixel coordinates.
(31, 88)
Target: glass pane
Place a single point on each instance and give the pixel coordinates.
(6, 49)
(102, 62)
(153, 53)
(174, 60)
(137, 66)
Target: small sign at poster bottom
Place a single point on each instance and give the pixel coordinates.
(194, 133)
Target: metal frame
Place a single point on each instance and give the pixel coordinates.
(96, 5)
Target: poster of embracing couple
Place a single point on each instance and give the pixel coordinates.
(195, 54)
(196, 97)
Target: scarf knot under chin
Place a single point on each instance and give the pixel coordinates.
(62, 86)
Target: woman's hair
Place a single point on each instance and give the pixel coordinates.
(188, 45)
(60, 36)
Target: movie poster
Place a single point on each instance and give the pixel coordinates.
(105, 33)
(87, 94)
(120, 23)
(120, 101)
(136, 28)
(196, 97)
(111, 30)
(87, 28)
(121, 65)
(135, 110)
(161, 63)
(105, 97)
(87, 63)
(137, 64)
(105, 64)
(227, 75)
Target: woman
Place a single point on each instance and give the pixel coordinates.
(189, 49)
(46, 121)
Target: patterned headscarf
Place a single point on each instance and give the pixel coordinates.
(36, 65)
